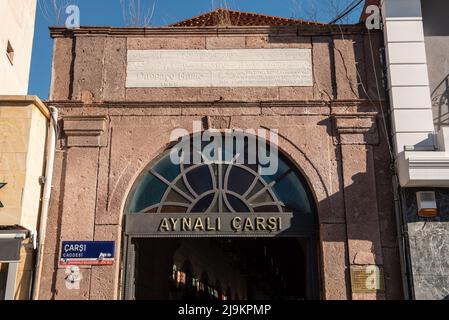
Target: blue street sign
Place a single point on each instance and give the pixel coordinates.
(87, 253)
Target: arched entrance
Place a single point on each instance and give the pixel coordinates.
(220, 228)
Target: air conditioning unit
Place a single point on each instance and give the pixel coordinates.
(427, 204)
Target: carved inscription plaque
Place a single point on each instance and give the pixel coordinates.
(219, 68)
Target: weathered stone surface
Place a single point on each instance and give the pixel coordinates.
(385, 192)
(431, 287)
(225, 42)
(102, 216)
(356, 130)
(373, 63)
(86, 131)
(79, 194)
(240, 94)
(295, 93)
(361, 206)
(345, 68)
(163, 94)
(336, 212)
(103, 283)
(64, 293)
(429, 247)
(323, 68)
(114, 69)
(278, 42)
(166, 43)
(88, 71)
(362, 72)
(61, 84)
(104, 279)
(274, 110)
(335, 266)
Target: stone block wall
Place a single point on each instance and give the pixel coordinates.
(330, 131)
(429, 246)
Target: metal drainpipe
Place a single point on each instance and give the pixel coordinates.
(403, 239)
(51, 149)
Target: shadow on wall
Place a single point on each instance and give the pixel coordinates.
(440, 103)
(436, 33)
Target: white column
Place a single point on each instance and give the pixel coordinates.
(408, 86)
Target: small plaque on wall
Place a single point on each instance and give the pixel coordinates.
(367, 279)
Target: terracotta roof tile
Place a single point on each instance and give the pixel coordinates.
(226, 17)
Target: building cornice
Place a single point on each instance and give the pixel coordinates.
(19, 100)
(301, 30)
(236, 103)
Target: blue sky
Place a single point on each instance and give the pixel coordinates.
(110, 13)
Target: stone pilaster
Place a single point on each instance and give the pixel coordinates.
(356, 136)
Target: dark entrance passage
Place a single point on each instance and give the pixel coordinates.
(221, 269)
(221, 229)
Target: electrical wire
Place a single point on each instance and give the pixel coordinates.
(360, 81)
(351, 7)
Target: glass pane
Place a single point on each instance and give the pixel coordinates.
(225, 208)
(200, 179)
(289, 188)
(173, 209)
(148, 193)
(153, 210)
(180, 184)
(282, 169)
(237, 204)
(262, 198)
(270, 208)
(214, 208)
(239, 180)
(173, 196)
(291, 192)
(167, 169)
(203, 204)
(259, 186)
(253, 167)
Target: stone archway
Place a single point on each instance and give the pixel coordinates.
(219, 199)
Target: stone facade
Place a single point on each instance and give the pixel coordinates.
(428, 246)
(330, 130)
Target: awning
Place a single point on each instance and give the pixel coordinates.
(10, 242)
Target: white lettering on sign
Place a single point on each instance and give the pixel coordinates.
(75, 247)
(219, 68)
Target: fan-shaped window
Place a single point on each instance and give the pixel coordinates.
(219, 187)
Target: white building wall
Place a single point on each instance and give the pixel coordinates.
(408, 76)
(17, 18)
(421, 159)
